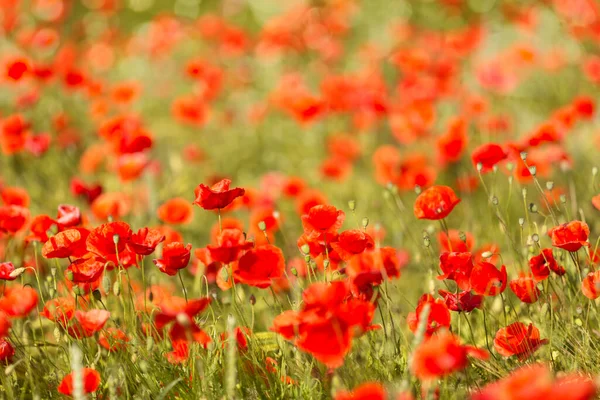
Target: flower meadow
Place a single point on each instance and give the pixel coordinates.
(324, 199)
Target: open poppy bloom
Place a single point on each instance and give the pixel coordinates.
(13, 218)
(487, 280)
(68, 216)
(109, 241)
(60, 310)
(231, 244)
(457, 267)
(88, 323)
(91, 382)
(435, 203)
(543, 263)
(591, 285)
(6, 269)
(322, 220)
(217, 196)
(438, 318)
(525, 288)
(442, 355)
(87, 269)
(570, 236)
(145, 241)
(6, 351)
(487, 156)
(456, 241)
(519, 340)
(259, 266)
(18, 301)
(366, 391)
(176, 211)
(327, 323)
(464, 301)
(352, 242)
(175, 256)
(68, 243)
(372, 267)
(113, 339)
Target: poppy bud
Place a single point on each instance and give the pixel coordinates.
(294, 271)
(69, 275)
(533, 208)
(305, 249)
(365, 222)
(533, 170)
(116, 239)
(78, 291)
(495, 200)
(262, 226)
(97, 295)
(307, 259)
(418, 189)
(479, 167)
(326, 264)
(549, 185)
(535, 237)
(53, 271)
(106, 283)
(117, 288)
(143, 366)
(510, 166)
(523, 155)
(149, 343)
(521, 222)
(352, 205)
(427, 241)
(563, 199)
(487, 254)
(462, 236)
(17, 272)
(252, 299)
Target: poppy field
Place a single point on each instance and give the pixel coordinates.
(303, 199)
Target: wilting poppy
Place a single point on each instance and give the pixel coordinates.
(435, 203)
(176, 211)
(175, 256)
(438, 318)
(442, 355)
(570, 236)
(322, 220)
(145, 241)
(231, 244)
(524, 287)
(217, 196)
(91, 382)
(259, 266)
(487, 280)
(519, 340)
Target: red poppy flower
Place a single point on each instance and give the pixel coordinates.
(86, 270)
(176, 211)
(525, 288)
(13, 218)
(6, 351)
(439, 315)
(457, 267)
(591, 285)
(13, 134)
(7, 268)
(487, 156)
(68, 243)
(543, 263)
(145, 241)
(91, 382)
(241, 337)
(60, 310)
(452, 144)
(182, 313)
(435, 203)
(352, 242)
(366, 391)
(442, 355)
(518, 339)
(322, 220)
(109, 241)
(5, 324)
(371, 267)
(259, 266)
(111, 205)
(570, 236)
(39, 228)
(68, 216)
(88, 322)
(585, 107)
(89, 192)
(18, 301)
(113, 339)
(14, 196)
(231, 244)
(217, 196)
(462, 302)
(456, 241)
(486, 280)
(175, 256)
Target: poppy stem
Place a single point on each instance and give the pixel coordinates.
(182, 286)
